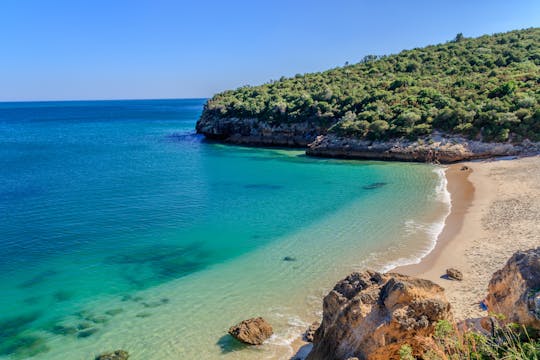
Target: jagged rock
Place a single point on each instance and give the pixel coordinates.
(464, 168)
(256, 132)
(310, 332)
(114, 355)
(371, 315)
(252, 331)
(437, 148)
(455, 274)
(514, 291)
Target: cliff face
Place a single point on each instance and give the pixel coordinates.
(255, 132)
(369, 315)
(316, 140)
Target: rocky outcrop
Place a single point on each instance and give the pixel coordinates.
(114, 355)
(252, 331)
(313, 136)
(514, 291)
(435, 148)
(371, 315)
(256, 132)
(454, 274)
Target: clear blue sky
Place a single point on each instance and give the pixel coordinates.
(120, 49)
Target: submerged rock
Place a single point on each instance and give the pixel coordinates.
(113, 355)
(252, 331)
(371, 316)
(87, 332)
(454, 274)
(289, 258)
(114, 312)
(372, 186)
(514, 291)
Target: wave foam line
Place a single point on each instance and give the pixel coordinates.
(435, 229)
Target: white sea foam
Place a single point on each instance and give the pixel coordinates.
(432, 230)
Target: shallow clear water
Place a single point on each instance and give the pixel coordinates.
(121, 228)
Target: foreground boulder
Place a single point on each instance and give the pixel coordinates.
(114, 355)
(252, 331)
(371, 316)
(514, 291)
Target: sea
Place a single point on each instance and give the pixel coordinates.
(121, 228)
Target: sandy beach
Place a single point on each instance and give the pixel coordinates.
(495, 212)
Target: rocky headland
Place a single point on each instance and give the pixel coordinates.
(311, 135)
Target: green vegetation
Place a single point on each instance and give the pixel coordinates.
(485, 88)
(511, 341)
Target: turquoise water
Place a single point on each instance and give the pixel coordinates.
(121, 228)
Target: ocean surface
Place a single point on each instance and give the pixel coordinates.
(120, 228)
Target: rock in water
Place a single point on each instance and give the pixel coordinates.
(114, 355)
(454, 274)
(371, 315)
(252, 331)
(514, 291)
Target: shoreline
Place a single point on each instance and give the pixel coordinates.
(486, 195)
(462, 192)
(494, 212)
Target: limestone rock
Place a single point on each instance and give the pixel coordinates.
(455, 274)
(514, 291)
(114, 355)
(371, 315)
(252, 331)
(310, 332)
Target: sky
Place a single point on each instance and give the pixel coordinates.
(135, 49)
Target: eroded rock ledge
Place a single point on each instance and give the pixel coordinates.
(313, 136)
(254, 132)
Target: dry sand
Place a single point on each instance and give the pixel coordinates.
(495, 212)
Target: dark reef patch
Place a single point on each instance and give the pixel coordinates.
(87, 332)
(38, 279)
(62, 295)
(114, 312)
(23, 346)
(155, 264)
(374, 185)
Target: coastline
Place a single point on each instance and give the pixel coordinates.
(486, 195)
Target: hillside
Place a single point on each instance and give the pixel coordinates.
(484, 89)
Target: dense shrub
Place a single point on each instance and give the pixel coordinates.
(485, 87)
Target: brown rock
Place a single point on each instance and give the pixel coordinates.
(371, 315)
(114, 355)
(310, 332)
(454, 274)
(252, 331)
(514, 291)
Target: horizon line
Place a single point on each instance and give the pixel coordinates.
(89, 100)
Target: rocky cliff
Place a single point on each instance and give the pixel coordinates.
(313, 136)
(369, 315)
(257, 133)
